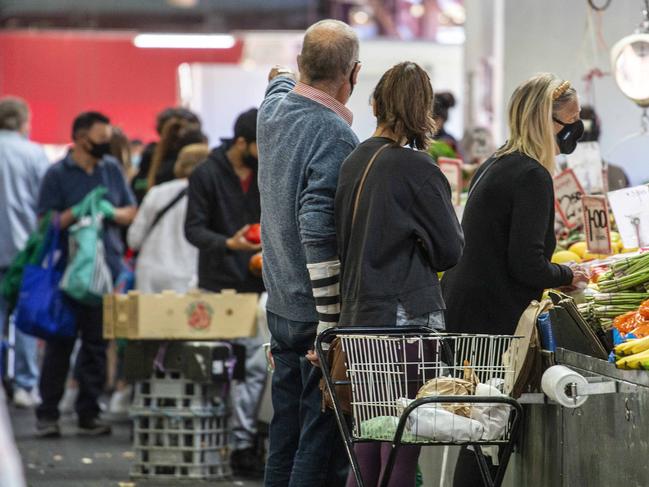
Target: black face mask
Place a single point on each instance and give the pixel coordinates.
(99, 150)
(569, 135)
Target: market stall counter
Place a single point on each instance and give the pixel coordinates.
(601, 443)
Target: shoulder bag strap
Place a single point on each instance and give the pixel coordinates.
(163, 211)
(490, 163)
(359, 191)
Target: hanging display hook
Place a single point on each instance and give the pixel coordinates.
(644, 26)
(644, 121)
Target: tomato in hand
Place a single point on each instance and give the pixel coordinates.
(253, 234)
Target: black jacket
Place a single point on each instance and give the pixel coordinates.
(405, 232)
(217, 208)
(509, 229)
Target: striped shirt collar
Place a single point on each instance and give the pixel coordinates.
(326, 100)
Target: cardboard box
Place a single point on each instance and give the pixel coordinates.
(172, 316)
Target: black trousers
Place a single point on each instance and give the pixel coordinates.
(467, 471)
(89, 371)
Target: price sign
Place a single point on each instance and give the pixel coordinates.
(630, 207)
(586, 163)
(452, 169)
(567, 198)
(597, 224)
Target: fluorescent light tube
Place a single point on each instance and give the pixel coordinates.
(184, 41)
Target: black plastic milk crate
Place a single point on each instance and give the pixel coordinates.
(187, 431)
(171, 390)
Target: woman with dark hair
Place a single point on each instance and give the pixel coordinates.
(120, 149)
(396, 230)
(444, 101)
(140, 183)
(176, 134)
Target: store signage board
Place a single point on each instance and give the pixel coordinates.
(452, 169)
(630, 207)
(597, 224)
(586, 163)
(567, 198)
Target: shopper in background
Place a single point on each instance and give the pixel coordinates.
(22, 165)
(509, 223)
(136, 147)
(66, 188)
(304, 136)
(166, 260)
(140, 183)
(617, 178)
(444, 144)
(120, 149)
(223, 202)
(393, 279)
(176, 133)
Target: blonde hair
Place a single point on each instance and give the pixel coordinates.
(531, 108)
(189, 157)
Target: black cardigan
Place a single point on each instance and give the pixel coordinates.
(217, 208)
(405, 232)
(509, 229)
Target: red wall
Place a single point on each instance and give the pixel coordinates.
(62, 73)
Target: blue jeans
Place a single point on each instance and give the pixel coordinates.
(26, 352)
(306, 448)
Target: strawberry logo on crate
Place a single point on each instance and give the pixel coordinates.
(199, 315)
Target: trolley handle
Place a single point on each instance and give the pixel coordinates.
(330, 333)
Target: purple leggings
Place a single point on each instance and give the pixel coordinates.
(372, 458)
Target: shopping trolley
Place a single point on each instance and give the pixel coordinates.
(386, 367)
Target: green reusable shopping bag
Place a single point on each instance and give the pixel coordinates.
(30, 254)
(87, 277)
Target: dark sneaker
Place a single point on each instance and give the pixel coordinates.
(93, 427)
(246, 463)
(48, 429)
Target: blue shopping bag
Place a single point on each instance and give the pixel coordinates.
(42, 309)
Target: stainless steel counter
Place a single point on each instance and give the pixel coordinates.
(603, 443)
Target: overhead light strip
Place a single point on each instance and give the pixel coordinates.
(184, 41)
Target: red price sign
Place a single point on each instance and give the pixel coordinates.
(452, 169)
(567, 198)
(597, 224)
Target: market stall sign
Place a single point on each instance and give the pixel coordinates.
(630, 207)
(597, 224)
(567, 198)
(586, 163)
(452, 169)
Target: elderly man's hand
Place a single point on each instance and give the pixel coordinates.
(280, 71)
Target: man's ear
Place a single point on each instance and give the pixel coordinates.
(357, 69)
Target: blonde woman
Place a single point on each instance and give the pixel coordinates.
(509, 223)
(166, 259)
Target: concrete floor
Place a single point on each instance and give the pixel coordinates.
(72, 461)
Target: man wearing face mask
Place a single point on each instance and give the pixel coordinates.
(85, 176)
(223, 201)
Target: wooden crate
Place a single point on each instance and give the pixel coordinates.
(192, 316)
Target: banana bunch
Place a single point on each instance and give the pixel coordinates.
(635, 361)
(632, 347)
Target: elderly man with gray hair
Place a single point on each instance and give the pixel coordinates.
(22, 165)
(303, 135)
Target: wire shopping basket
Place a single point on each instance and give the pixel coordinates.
(417, 387)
